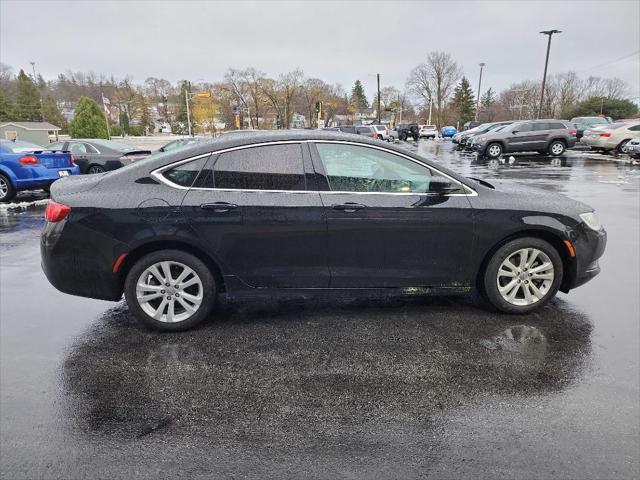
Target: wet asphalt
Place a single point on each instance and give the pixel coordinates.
(396, 387)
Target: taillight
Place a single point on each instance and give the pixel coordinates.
(573, 132)
(29, 160)
(373, 135)
(605, 134)
(56, 211)
(72, 161)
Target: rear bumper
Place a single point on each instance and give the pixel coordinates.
(38, 177)
(83, 268)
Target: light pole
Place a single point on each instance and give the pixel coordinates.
(378, 77)
(479, 86)
(549, 33)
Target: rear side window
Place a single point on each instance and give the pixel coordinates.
(557, 126)
(269, 167)
(364, 130)
(185, 174)
(348, 129)
(525, 127)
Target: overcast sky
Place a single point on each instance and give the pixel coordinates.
(334, 41)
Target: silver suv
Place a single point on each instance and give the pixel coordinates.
(550, 137)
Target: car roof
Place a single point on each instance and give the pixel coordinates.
(266, 136)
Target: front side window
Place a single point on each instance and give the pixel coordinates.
(269, 167)
(185, 174)
(352, 168)
(524, 127)
(541, 126)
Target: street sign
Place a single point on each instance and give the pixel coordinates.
(203, 95)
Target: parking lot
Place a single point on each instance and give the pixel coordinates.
(394, 387)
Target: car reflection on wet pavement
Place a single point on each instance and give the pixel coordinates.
(404, 386)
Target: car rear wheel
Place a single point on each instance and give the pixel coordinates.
(523, 275)
(494, 150)
(170, 290)
(95, 169)
(556, 148)
(622, 148)
(7, 192)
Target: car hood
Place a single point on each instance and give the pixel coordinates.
(509, 195)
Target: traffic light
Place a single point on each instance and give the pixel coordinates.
(317, 107)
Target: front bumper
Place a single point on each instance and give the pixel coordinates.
(589, 246)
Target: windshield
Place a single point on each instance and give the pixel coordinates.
(509, 128)
(117, 146)
(18, 146)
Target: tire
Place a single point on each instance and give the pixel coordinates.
(556, 148)
(7, 190)
(95, 169)
(402, 136)
(494, 150)
(392, 139)
(621, 148)
(176, 260)
(528, 292)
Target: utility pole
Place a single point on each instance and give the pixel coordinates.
(379, 113)
(549, 33)
(186, 99)
(430, 107)
(479, 86)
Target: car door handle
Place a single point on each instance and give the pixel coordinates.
(348, 207)
(219, 207)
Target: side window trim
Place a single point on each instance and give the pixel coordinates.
(157, 173)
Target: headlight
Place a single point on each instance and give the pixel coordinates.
(591, 219)
(479, 139)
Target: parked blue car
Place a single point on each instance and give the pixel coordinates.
(25, 166)
(448, 132)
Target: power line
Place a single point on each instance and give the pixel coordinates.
(610, 63)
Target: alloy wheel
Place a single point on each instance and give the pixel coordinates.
(557, 148)
(4, 188)
(169, 292)
(525, 277)
(95, 169)
(495, 150)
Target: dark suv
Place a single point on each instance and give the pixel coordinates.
(551, 137)
(406, 130)
(365, 130)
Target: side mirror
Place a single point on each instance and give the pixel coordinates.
(442, 186)
(161, 149)
(515, 131)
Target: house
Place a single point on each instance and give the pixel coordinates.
(40, 133)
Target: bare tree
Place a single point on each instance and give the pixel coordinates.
(281, 94)
(435, 80)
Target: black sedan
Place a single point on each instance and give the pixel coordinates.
(307, 211)
(97, 155)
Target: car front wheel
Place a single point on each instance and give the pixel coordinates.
(170, 290)
(622, 148)
(494, 150)
(523, 275)
(556, 148)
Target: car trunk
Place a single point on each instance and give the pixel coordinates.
(54, 159)
(137, 155)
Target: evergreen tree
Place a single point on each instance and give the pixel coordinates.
(52, 113)
(463, 103)
(124, 122)
(488, 103)
(358, 98)
(6, 107)
(88, 121)
(146, 122)
(27, 99)
(608, 107)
